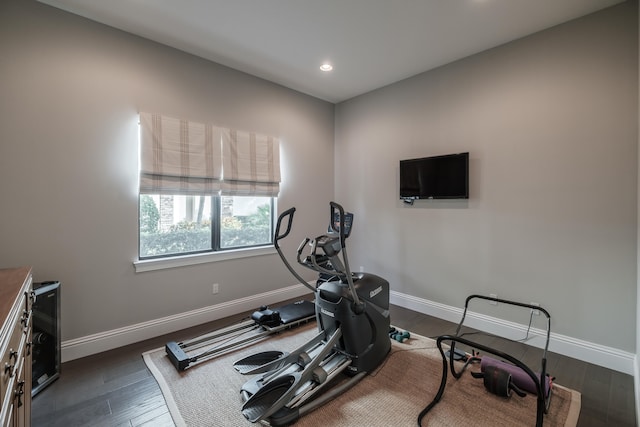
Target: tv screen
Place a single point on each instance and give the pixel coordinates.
(438, 177)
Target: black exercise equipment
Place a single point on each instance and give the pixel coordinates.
(352, 312)
(500, 377)
(263, 322)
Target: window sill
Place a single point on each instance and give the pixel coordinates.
(182, 261)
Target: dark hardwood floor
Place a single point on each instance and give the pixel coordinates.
(116, 389)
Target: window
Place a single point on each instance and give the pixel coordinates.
(204, 188)
(245, 221)
(173, 225)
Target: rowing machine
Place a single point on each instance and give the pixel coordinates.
(263, 322)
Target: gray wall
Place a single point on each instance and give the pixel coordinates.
(637, 361)
(550, 121)
(551, 124)
(70, 91)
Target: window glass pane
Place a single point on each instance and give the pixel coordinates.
(173, 225)
(245, 221)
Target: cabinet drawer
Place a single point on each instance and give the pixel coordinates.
(16, 299)
(9, 365)
(19, 396)
(13, 355)
(15, 350)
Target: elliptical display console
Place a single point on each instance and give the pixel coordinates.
(352, 312)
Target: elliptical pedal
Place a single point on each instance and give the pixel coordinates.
(252, 364)
(281, 385)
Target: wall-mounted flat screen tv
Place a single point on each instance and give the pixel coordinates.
(437, 177)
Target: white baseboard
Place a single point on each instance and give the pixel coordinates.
(97, 343)
(608, 357)
(636, 384)
(597, 354)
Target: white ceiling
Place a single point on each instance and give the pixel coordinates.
(371, 43)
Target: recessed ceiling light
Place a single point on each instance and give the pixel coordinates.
(326, 67)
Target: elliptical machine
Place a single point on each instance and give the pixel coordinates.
(352, 313)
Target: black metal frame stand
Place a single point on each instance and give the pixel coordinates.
(543, 399)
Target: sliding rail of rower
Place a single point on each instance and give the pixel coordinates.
(263, 322)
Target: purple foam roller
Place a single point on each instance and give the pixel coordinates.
(518, 376)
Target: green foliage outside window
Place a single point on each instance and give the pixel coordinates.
(250, 230)
(149, 215)
(191, 236)
(177, 240)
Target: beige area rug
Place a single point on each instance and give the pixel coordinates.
(208, 394)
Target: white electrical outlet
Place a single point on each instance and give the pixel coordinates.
(535, 312)
(216, 288)
(493, 296)
(361, 269)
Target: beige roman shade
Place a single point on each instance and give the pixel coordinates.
(179, 156)
(251, 164)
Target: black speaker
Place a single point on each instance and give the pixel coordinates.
(45, 366)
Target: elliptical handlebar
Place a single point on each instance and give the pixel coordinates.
(277, 237)
(301, 248)
(336, 207)
(310, 261)
(289, 212)
(358, 306)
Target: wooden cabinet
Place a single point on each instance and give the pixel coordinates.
(16, 299)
